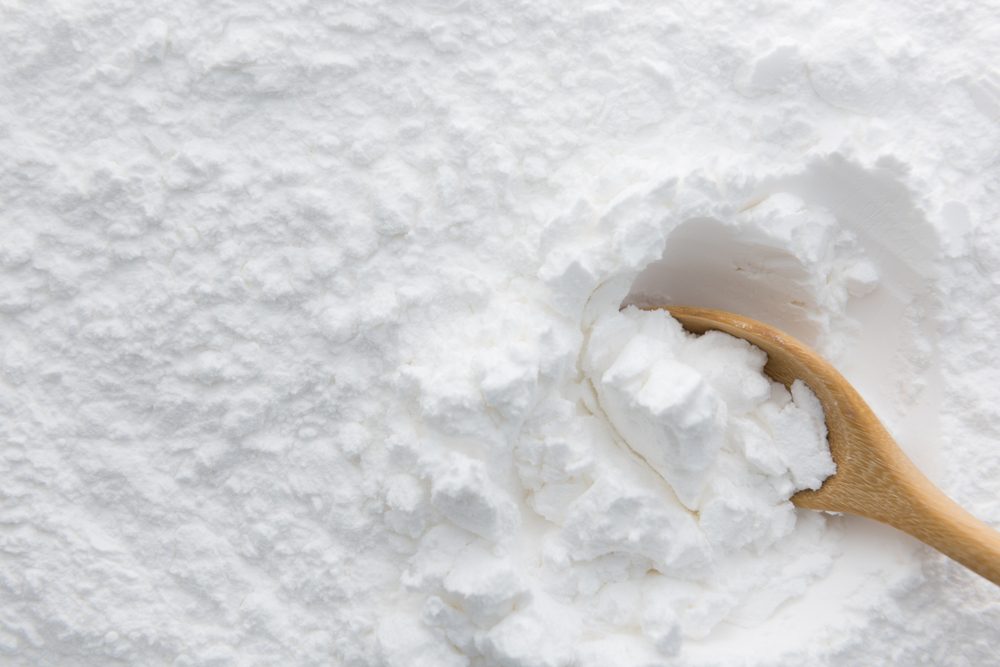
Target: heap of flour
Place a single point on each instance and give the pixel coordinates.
(647, 503)
(658, 499)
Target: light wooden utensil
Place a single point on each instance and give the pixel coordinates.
(874, 477)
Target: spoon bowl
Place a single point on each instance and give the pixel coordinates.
(874, 478)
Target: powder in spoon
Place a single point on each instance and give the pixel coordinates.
(684, 402)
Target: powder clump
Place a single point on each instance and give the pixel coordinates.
(731, 444)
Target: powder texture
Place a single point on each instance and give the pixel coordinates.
(312, 349)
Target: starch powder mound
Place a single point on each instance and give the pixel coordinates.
(328, 330)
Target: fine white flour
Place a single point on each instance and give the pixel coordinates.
(325, 334)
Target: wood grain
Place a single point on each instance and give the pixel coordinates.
(874, 477)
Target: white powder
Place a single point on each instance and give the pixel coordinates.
(683, 403)
(311, 349)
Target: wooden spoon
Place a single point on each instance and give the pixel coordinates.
(874, 477)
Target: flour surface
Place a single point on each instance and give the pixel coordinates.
(322, 337)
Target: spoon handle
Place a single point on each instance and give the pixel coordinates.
(874, 477)
(888, 487)
(927, 514)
